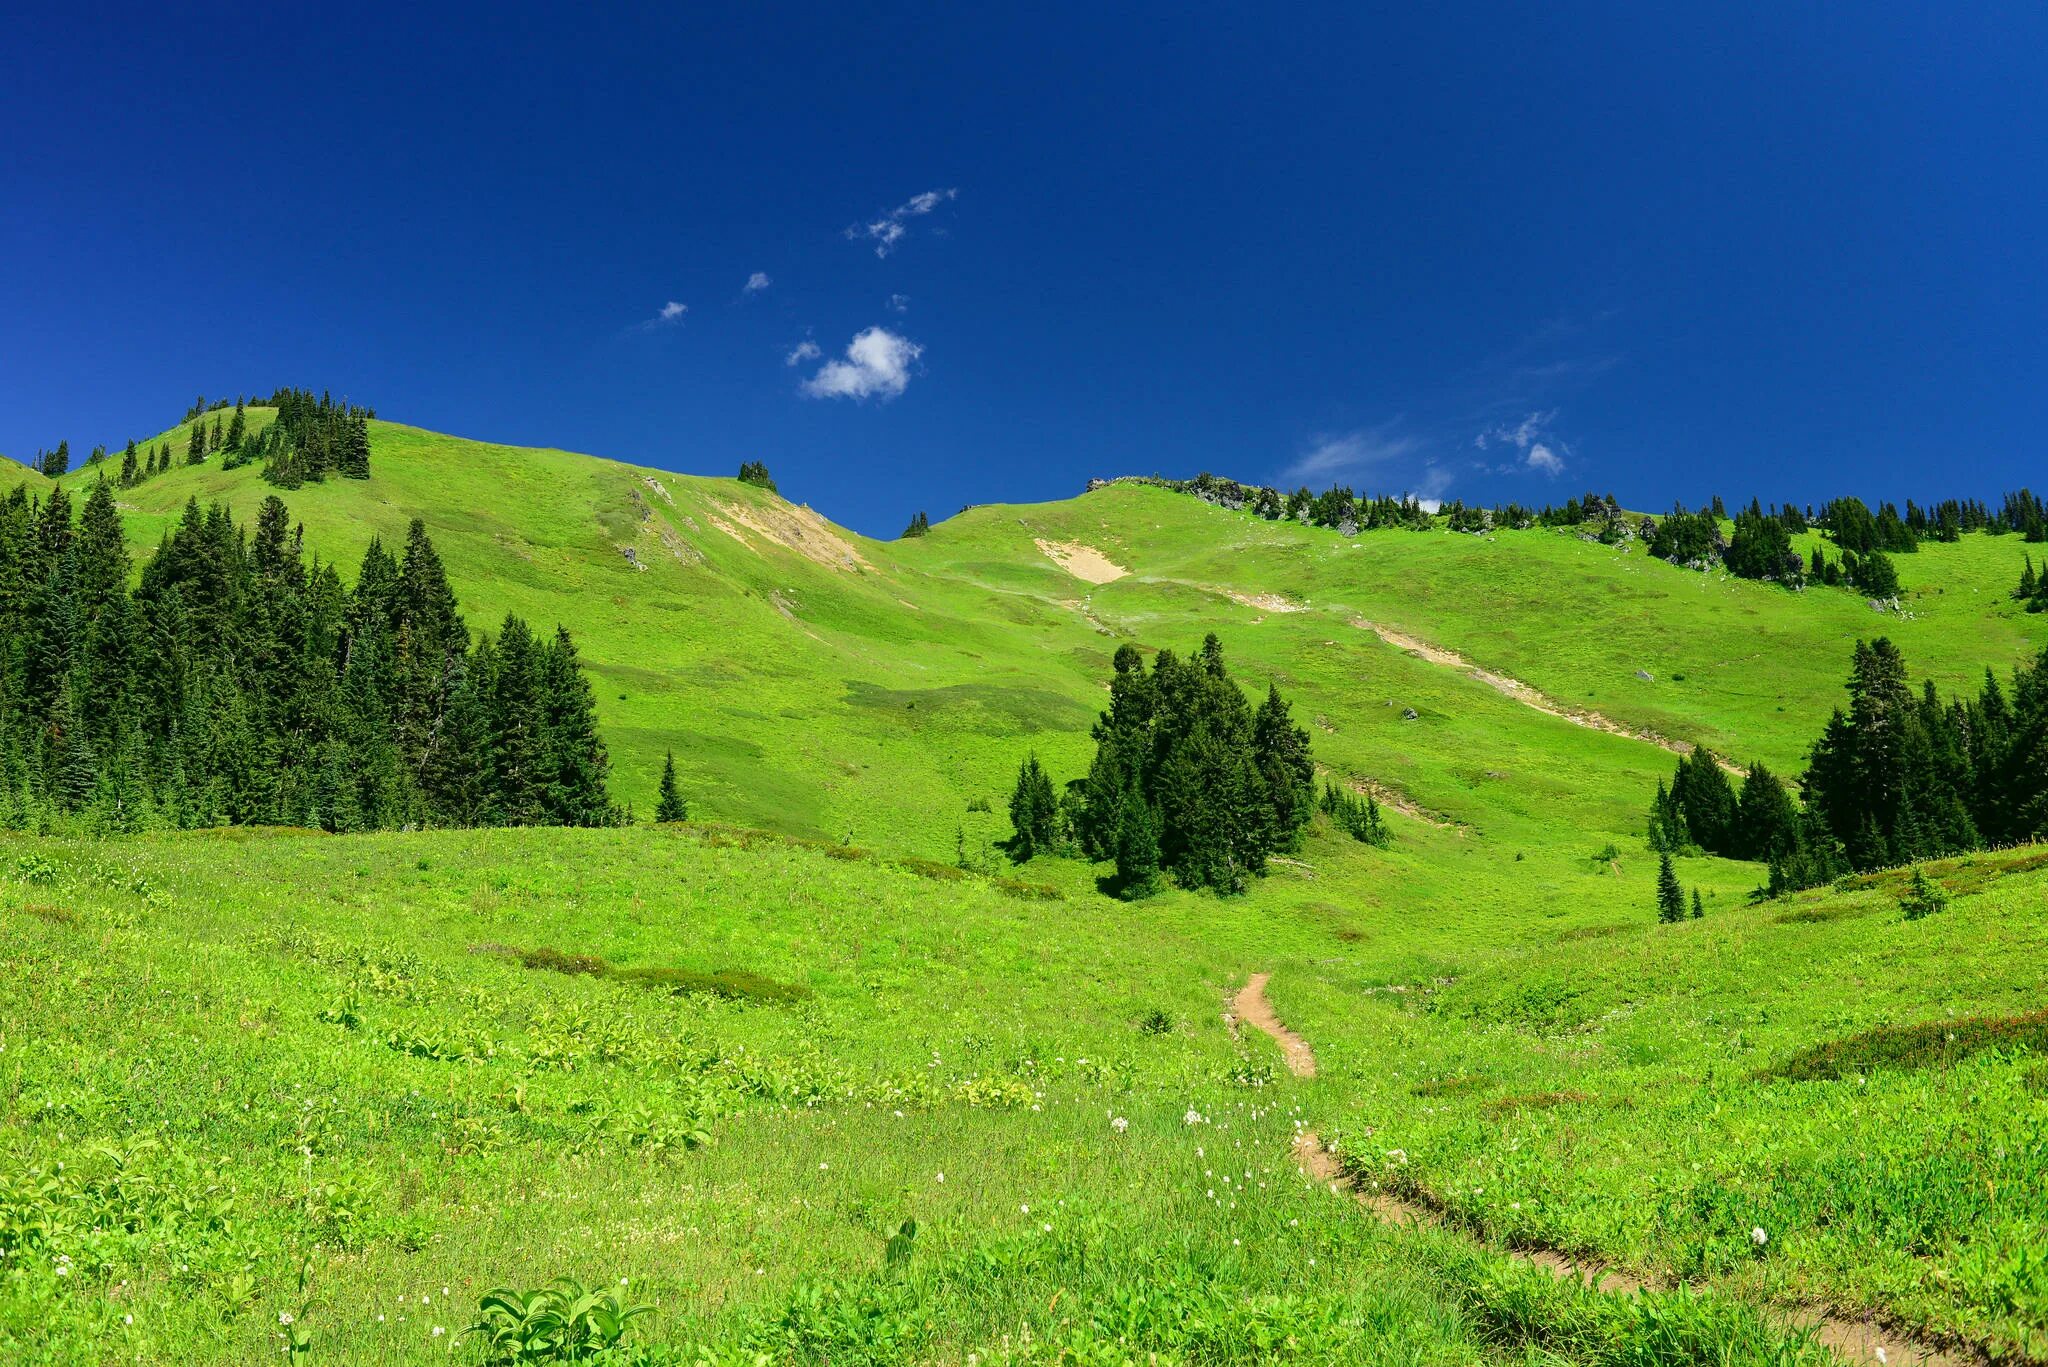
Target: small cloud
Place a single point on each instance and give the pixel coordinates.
(671, 312)
(877, 365)
(757, 282)
(1541, 451)
(1338, 453)
(806, 350)
(899, 303)
(886, 231)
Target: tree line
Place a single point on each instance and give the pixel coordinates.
(239, 681)
(1893, 779)
(1188, 780)
(309, 440)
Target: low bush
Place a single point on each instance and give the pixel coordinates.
(1928, 1044)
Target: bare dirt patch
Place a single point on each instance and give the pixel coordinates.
(1265, 602)
(1083, 562)
(795, 528)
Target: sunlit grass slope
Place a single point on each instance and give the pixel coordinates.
(232, 1057)
(821, 682)
(13, 472)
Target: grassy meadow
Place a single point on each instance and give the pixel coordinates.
(714, 1067)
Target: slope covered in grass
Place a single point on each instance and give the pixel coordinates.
(722, 621)
(388, 1058)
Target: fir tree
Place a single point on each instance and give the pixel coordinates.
(1670, 897)
(669, 806)
(1698, 910)
(1034, 812)
(1137, 848)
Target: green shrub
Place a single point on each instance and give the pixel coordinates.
(561, 1322)
(1924, 898)
(1928, 1044)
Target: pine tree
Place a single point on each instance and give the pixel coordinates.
(1670, 897)
(237, 428)
(1698, 910)
(1137, 849)
(1034, 813)
(919, 525)
(669, 806)
(576, 760)
(195, 445)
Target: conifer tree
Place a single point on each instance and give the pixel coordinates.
(1670, 897)
(1034, 812)
(1137, 848)
(669, 806)
(1698, 910)
(195, 445)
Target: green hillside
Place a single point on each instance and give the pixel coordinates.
(358, 1081)
(718, 618)
(13, 473)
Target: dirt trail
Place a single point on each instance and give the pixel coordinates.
(1526, 695)
(1861, 1341)
(1250, 1005)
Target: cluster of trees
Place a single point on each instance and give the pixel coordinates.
(1188, 779)
(1359, 814)
(1899, 778)
(919, 525)
(1894, 779)
(2033, 588)
(239, 682)
(755, 472)
(1337, 507)
(310, 439)
(207, 438)
(137, 466)
(1701, 810)
(53, 463)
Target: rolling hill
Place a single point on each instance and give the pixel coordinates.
(273, 1083)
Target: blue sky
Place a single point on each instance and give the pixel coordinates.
(916, 259)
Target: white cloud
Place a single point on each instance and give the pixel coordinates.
(757, 282)
(1541, 450)
(899, 303)
(877, 365)
(886, 231)
(806, 350)
(671, 312)
(1343, 452)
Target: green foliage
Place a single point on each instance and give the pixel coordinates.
(237, 683)
(1923, 898)
(1670, 896)
(669, 804)
(920, 525)
(563, 1321)
(1222, 788)
(1357, 814)
(1034, 813)
(755, 472)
